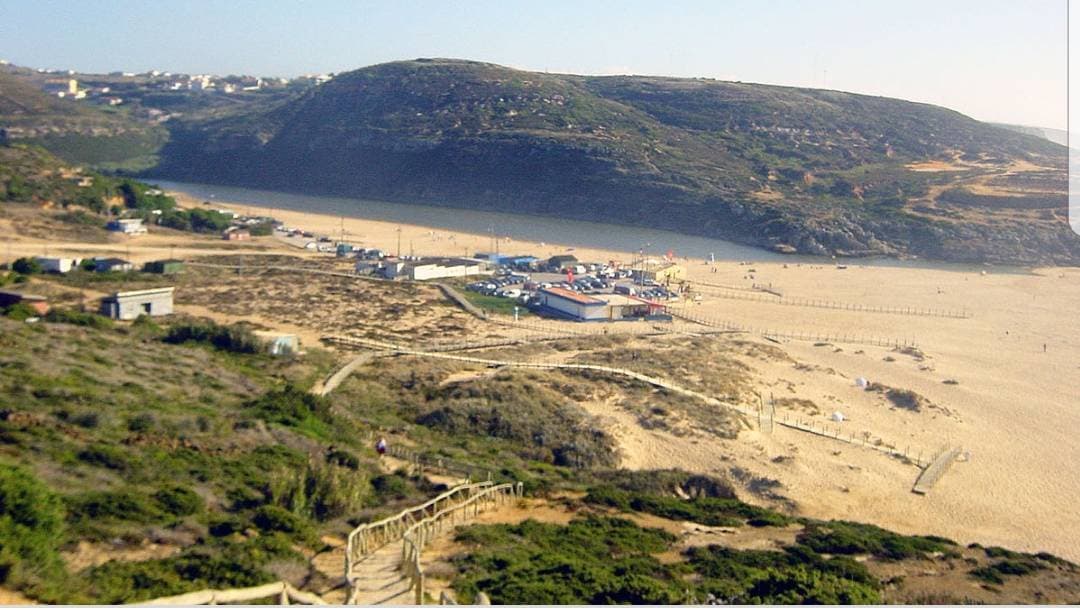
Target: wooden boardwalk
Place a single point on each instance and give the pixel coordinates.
(937, 469)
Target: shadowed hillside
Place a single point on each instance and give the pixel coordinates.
(802, 170)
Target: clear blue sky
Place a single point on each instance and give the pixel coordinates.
(999, 60)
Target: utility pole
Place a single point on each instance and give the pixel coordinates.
(399, 242)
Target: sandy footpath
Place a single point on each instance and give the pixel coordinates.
(1014, 406)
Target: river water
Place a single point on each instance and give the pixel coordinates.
(519, 227)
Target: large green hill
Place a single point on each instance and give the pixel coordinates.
(796, 170)
(812, 171)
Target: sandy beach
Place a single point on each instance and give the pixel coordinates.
(1011, 402)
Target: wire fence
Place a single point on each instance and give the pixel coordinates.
(685, 313)
(763, 295)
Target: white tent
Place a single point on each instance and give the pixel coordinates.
(838, 416)
(862, 382)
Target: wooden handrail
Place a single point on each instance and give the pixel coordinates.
(419, 534)
(284, 592)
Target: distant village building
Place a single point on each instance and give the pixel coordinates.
(168, 266)
(127, 226)
(36, 302)
(235, 234)
(132, 304)
(104, 265)
(57, 265)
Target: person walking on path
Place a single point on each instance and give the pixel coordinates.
(380, 446)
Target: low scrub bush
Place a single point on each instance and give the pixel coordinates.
(77, 318)
(794, 576)
(849, 538)
(290, 406)
(703, 510)
(543, 424)
(31, 529)
(595, 560)
(319, 491)
(218, 567)
(119, 505)
(105, 456)
(230, 338)
(179, 501)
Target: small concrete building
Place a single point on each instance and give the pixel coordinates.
(279, 344)
(132, 304)
(573, 305)
(235, 234)
(430, 268)
(57, 265)
(36, 302)
(561, 261)
(665, 273)
(435, 268)
(168, 266)
(104, 265)
(127, 226)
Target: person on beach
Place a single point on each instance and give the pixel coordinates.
(380, 446)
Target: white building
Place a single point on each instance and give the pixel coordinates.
(432, 268)
(128, 226)
(573, 304)
(132, 304)
(57, 265)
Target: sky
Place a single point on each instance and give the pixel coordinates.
(995, 60)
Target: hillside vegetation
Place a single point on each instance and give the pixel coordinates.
(804, 170)
(107, 138)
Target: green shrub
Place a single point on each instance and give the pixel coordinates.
(105, 456)
(225, 525)
(140, 423)
(594, 560)
(272, 518)
(179, 501)
(290, 406)
(19, 312)
(541, 423)
(1016, 565)
(235, 338)
(31, 529)
(389, 487)
(26, 266)
(849, 538)
(341, 457)
(221, 567)
(77, 318)
(319, 491)
(119, 505)
(796, 575)
(703, 510)
(86, 419)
